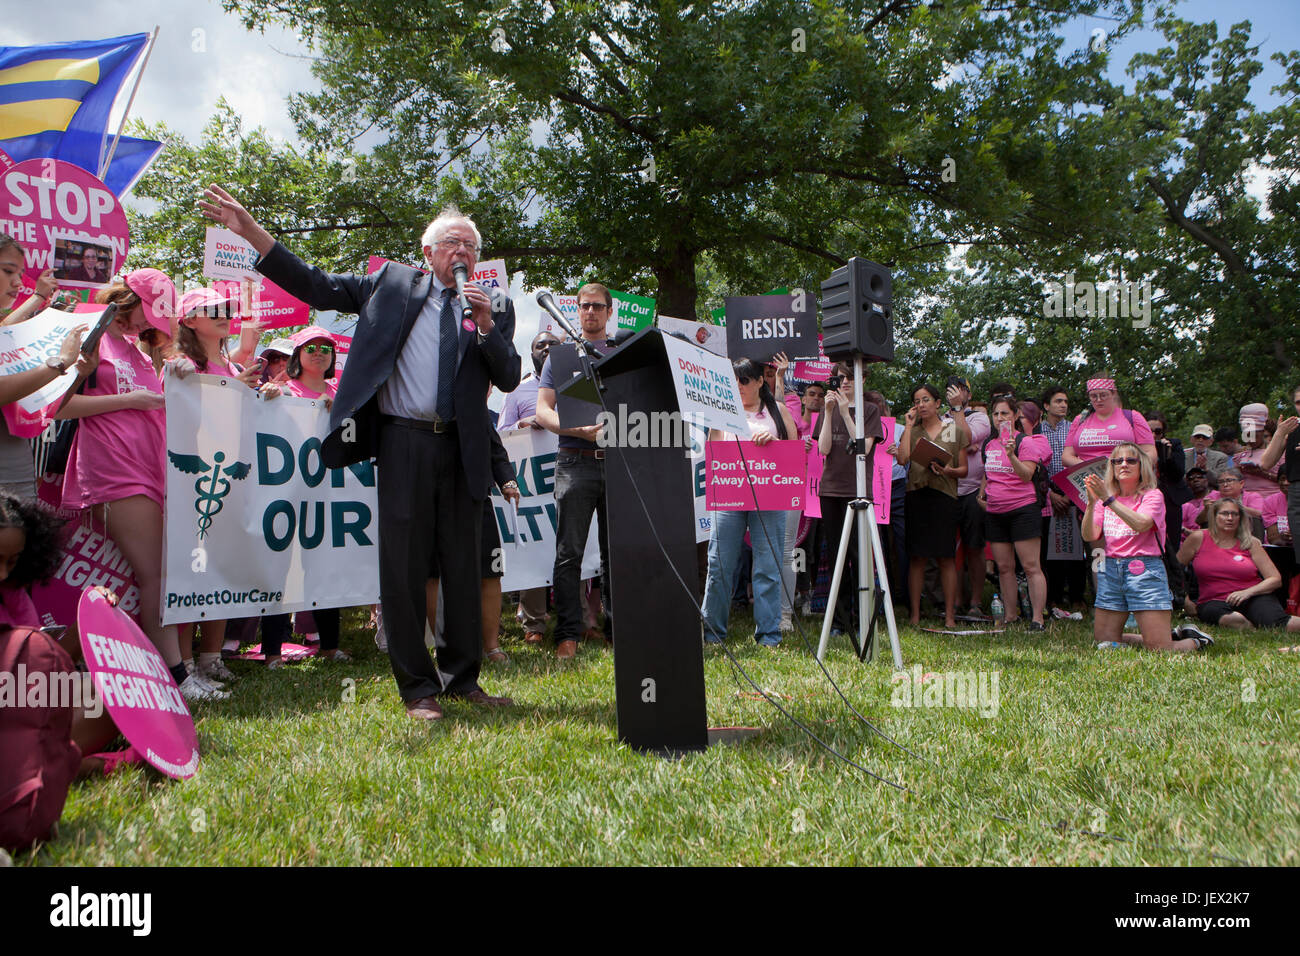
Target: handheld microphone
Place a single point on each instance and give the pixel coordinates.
(462, 276)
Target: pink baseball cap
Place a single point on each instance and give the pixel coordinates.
(302, 337)
(197, 299)
(158, 295)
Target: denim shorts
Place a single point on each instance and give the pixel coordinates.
(1133, 584)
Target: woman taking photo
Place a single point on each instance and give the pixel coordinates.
(768, 421)
(116, 463)
(834, 432)
(931, 501)
(1235, 575)
(1013, 519)
(1127, 513)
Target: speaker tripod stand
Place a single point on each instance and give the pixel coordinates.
(871, 555)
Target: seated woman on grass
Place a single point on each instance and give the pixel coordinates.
(1236, 577)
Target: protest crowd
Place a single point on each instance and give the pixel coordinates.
(979, 523)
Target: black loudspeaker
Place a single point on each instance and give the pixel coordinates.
(858, 312)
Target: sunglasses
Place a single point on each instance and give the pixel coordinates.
(1229, 514)
(592, 307)
(745, 379)
(1124, 461)
(313, 349)
(1157, 431)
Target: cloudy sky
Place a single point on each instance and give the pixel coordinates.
(203, 53)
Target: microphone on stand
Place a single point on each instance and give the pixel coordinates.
(547, 302)
(462, 276)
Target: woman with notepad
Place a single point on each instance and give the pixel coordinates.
(935, 452)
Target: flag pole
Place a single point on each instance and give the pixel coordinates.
(153, 38)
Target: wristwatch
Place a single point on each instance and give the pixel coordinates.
(57, 364)
(1107, 502)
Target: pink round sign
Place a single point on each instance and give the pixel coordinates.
(136, 687)
(66, 220)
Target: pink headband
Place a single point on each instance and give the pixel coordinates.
(1108, 384)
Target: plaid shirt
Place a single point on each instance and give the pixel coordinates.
(1056, 438)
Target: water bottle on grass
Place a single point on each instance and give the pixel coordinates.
(999, 612)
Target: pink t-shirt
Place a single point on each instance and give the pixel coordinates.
(1007, 491)
(222, 366)
(1261, 486)
(1121, 540)
(123, 453)
(1274, 510)
(1094, 436)
(17, 609)
(298, 390)
(1191, 511)
(1220, 571)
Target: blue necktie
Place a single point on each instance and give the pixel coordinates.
(448, 343)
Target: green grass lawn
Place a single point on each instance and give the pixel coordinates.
(1093, 757)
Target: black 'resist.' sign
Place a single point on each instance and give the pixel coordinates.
(760, 326)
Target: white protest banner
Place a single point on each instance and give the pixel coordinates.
(711, 337)
(28, 344)
(707, 393)
(256, 524)
(528, 536)
(226, 256)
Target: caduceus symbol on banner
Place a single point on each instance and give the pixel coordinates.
(210, 487)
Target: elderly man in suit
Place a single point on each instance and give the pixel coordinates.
(413, 397)
(1201, 455)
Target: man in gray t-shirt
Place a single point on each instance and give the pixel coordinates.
(579, 484)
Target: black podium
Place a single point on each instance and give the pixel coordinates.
(658, 649)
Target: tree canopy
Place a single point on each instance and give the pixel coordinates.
(692, 151)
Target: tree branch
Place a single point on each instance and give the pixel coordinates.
(1196, 231)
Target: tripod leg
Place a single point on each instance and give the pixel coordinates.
(836, 577)
(866, 584)
(888, 598)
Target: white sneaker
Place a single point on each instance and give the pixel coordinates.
(216, 671)
(787, 624)
(195, 688)
(193, 670)
(381, 636)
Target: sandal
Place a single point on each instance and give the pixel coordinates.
(496, 655)
(275, 663)
(337, 654)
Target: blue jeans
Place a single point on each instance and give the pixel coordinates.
(767, 540)
(579, 492)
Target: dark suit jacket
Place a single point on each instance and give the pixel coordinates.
(387, 304)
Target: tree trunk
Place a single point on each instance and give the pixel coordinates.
(677, 290)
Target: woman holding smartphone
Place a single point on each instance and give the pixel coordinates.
(1013, 516)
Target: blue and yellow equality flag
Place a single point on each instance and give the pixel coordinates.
(55, 99)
